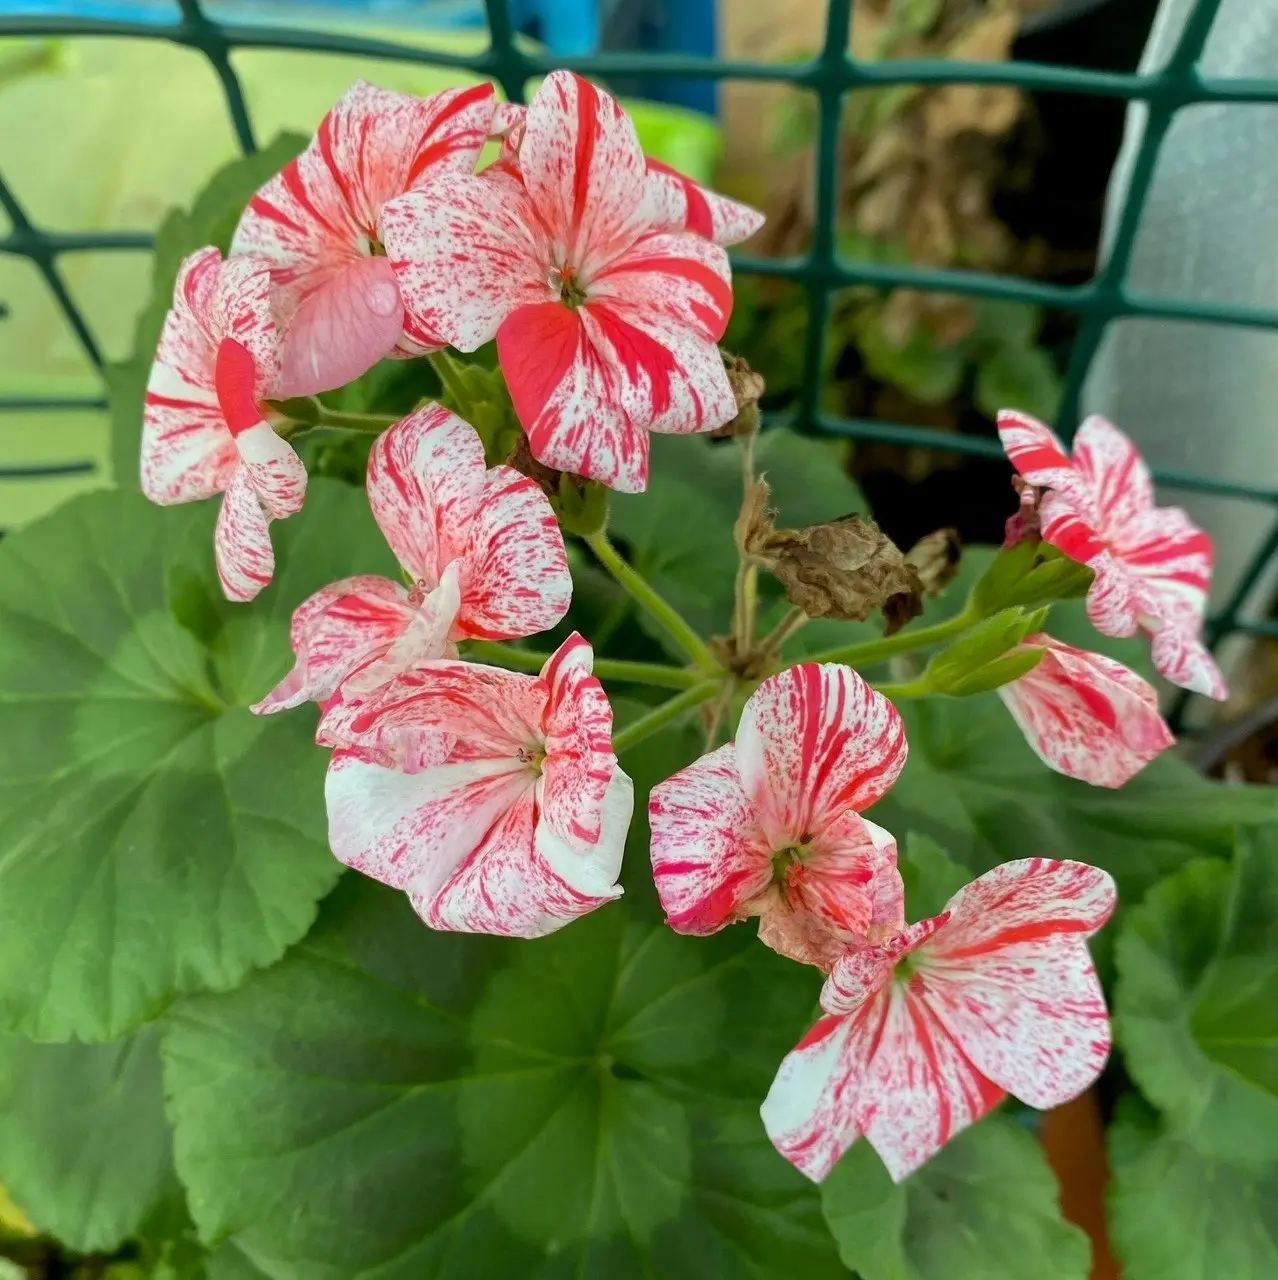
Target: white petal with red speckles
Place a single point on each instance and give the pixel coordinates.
(242, 541)
(1012, 979)
(920, 1088)
(1085, 715)
(425, 475)
(243, 310)
(1034, 449)
(319, 215)
(466, 252)
(814, 741)
(334, 631)
(525, 882)
(1179, 656)
(1114, 473)
(582, 164)
(579, 765)
(412, 831)
(708, 858)
(517, 581)
(565, 392)
(675, 201)
(277, 474)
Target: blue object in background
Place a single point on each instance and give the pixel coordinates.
(664, 26)
(563, 26)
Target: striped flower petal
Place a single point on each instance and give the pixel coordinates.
(521, 828)
(1085, 715)
(320, 222)
(681, 204)
(242, 541)
(1001, 996)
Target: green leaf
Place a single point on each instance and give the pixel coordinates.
(931, 876)
(210, 220)
(1196, 1010)
(679, 533)
(984, 1208)
(920, 366)
(1175, 1214)
(156, 837)
(972, 783)
(84, 1145)
(1020, 377)
(394, 1102)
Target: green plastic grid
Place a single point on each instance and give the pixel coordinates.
(829, 75)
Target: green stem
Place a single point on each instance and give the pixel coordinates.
(657, 674)
(660, 716)
(635, 585)
(907, 689)
(907, 641)
(746, 592)
(449, 373)
(372, 423)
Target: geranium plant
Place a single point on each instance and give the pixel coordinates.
(577, 705)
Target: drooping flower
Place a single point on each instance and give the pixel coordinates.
(1152, 564)
(923, 1035)
(606, 321)
(521, 827)
(1085, 715)
(480, 546)
(674, 201)
(203, 429)
(320, 222)
(770, 825)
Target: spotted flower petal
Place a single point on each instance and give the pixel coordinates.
(678, 202)
(770, 827)
(1002, 996)
(511, 834)
(1085, 715)
(319, 221)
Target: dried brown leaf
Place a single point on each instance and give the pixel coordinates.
(936, 559)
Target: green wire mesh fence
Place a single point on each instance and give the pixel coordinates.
(831, 74)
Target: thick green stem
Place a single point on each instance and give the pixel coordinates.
(909, 640)
(664, 614)
(656, 674)
(660, 716)
(449, 373)
(746, 593)
(772, 642)
(907, 689)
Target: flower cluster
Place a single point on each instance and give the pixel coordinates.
(493, 798)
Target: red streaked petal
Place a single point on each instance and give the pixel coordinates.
(708, 858)
(583, 166)
(1085, 715)
(678, 203)
(1170, 559)
(920, 1088)
(466, 252)
(242, 310)
(862, 971)
(277, 474)
(341, 329)
(674, 275)
(810, 1111)
(1179, 656)
(579, 764)
(334, 631)
(1033, 448)
(815, 741)
(425, 474)
(413, 830)
(1116, 474)
(523, 882)
(242, 540)
(517, 581)
(565, 393)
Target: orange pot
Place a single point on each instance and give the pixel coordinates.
(1074, 1140)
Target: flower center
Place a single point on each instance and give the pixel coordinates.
(571, 294)
(376, 249)
(530, 756)
(789, 858)
(418, 592)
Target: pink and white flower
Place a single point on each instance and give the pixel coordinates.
(1085, 715)
(923, 1035)
(770, 825)
(521, 827)
(606, 322)
(481, 548)
(1152, 564)
(203, 428)
(320, 222)
(675, 202)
